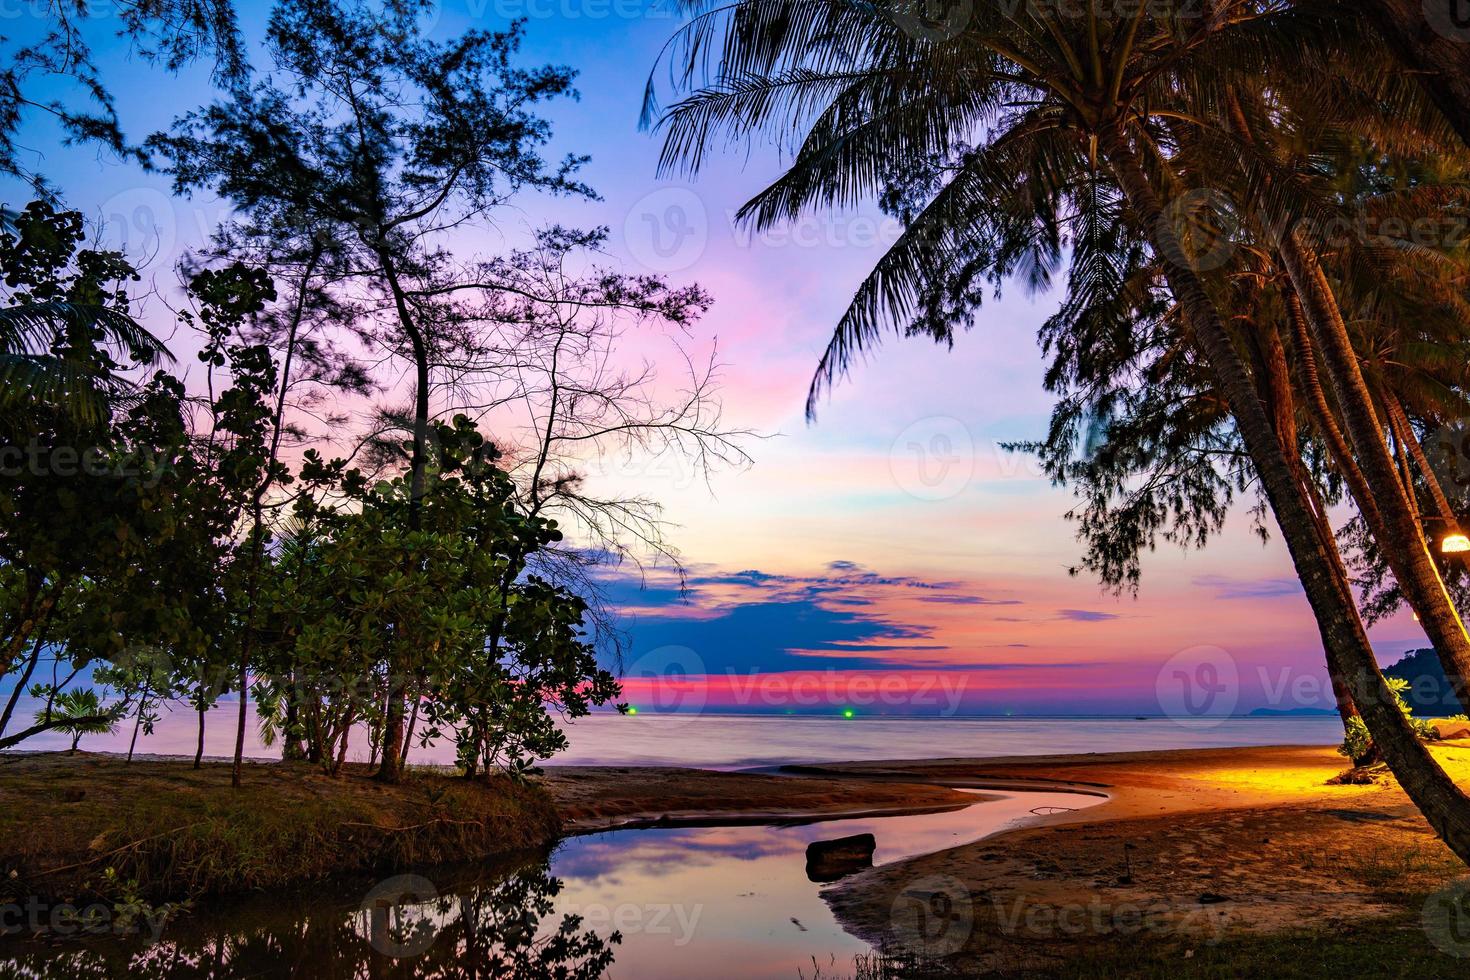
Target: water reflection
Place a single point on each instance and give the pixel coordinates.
(502, 923)
(659, 904)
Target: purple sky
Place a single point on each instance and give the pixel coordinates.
(893, 542)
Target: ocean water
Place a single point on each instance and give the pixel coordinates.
(738, 741)
(720, 741)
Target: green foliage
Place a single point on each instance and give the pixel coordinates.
(368, 601)
(129, 905)
(79, 712)
(1357, 744)
(162, 573)
(65, 330)
(137, 564)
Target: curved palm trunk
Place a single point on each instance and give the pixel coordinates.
(1382, 493)
(1401, 539)
(1322, 417)
(1349, 654)
(1275, 387)
(1400, 421)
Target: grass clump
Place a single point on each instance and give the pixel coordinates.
(66, 823)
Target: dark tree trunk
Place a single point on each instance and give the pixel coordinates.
(137, 723)
(1275, 387)
(1349, 654)
(342, 747)
(1400, 420)
(239, 763)
(199, 745)
(20, 685)
(413, 720)
(391, 768)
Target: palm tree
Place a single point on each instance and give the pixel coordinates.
(35, 376)
(63, 333)
(1299, 181)
(1054, 102)
(78, 712)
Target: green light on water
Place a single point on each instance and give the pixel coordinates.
(847, 712)
(632, 710)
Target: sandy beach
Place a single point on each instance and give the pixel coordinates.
(1192, 848)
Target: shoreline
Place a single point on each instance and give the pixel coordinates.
(1214, 845)
(1192, 849)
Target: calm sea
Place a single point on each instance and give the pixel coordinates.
(723, 741)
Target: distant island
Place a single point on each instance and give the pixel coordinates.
(1429, 694)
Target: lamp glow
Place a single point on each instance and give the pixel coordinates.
(1454, 544)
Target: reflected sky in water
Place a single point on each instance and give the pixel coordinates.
(665, 904)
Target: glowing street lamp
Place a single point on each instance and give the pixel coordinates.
(1454, 544)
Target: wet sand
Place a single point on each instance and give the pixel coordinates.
(592, 798)
(1190, 847)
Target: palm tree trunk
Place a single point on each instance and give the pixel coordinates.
(138, 722)
(1400, 419)
(1275, 387)
(1368, 468)
(1402, 539)
(1326, 420)
(1349, 654)
(1337, 450)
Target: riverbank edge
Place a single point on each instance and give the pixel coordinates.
(90, 827)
